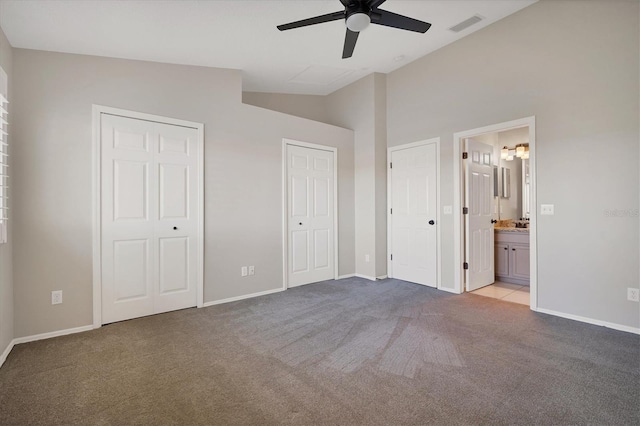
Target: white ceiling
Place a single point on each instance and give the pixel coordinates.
(242, 34)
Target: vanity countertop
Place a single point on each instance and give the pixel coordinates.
(511, 229)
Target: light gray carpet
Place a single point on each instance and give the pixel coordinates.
(347, 352)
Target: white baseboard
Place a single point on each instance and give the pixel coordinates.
(341, 277)
(33, 338)
(6, 352)
(366, 277)
(614, 326)
(246, 296)
(382, 277)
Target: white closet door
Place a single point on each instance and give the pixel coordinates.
(176, 226)
(479, 229)
(310, 198)
(414, 204)
(149, 217)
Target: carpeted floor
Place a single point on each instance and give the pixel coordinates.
(349, 352)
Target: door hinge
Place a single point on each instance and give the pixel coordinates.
(465, 210)
(465, 265)
(391, 257)
(392, 210)
(465, 155)
(391, 165)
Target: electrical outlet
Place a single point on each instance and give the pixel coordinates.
(633, 294)
(56, 297)
(243, 271)
(367, 258)
(252, 270)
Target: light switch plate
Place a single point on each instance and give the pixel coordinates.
(546, 209)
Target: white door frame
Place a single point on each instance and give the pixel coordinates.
(458, 196)
(436, 142)
(285, 206)
(98, 110)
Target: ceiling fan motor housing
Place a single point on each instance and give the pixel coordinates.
(357, 16)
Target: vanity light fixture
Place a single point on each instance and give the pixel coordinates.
(520, 151)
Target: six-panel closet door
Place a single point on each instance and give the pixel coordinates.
(149, 219)
(310, 221)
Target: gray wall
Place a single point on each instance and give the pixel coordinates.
(6, 250)
(243, 176)
(380, 172)
(574, 65)
(312, 107)
(361, 107)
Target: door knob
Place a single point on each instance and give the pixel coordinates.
(432, 222)
(175, 228)
(494, 221)
(300, 223)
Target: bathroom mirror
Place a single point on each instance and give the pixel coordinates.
(506, 182)
(525, 189)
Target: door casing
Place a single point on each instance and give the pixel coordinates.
(98, 110)
(285, 206)
(436, 142)
(458, 200)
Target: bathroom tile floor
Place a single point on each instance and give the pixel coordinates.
(504, 291)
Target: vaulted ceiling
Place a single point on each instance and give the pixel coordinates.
(242, 34)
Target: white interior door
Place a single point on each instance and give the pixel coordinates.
(479, 248)
(413, 215)
(310, 206)
(149, 217)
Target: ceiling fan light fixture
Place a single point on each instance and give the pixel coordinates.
(358, 21)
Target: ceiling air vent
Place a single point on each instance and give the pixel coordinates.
(466, 23)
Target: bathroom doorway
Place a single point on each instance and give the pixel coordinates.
(494, 182)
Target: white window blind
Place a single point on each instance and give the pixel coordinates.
(4, 166)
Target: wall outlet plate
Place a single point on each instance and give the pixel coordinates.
(447, 210)
(252, 270)
(546, 209)
(633, 294)
(56, 297)
(367, 258)
(243, 271)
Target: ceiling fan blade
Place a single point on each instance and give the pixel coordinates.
(349, 43)
(312, 21)
(375, 3)
(390, 19)
(345, 3)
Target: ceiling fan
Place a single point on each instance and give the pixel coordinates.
(358, 14)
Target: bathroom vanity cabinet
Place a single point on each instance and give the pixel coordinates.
(512, 255)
